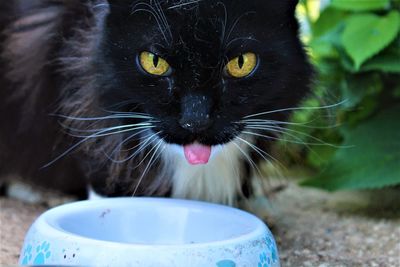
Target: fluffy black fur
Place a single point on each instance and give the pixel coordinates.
(64, 60)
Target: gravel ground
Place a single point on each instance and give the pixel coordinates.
(312, 228)
(15, 219)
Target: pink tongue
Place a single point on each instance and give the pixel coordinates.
(197, 154)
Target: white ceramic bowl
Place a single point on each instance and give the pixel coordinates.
(148, 232)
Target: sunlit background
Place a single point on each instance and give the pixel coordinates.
(346, 134)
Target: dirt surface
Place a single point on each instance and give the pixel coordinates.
(312, 228)
(15, 219)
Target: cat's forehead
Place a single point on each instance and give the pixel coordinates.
(196, 12)
(204, 23)
(206, 30)
(187, 5)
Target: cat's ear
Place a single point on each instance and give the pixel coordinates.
(119, 5)
(116, 2)
(283, 8)
(291, 6)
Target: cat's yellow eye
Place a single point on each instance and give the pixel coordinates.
(153, 64)
(242, 66)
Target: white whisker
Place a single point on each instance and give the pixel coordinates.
(148, 153)
(111, 128)
(119, 146)
(109, 117)
(307, 145)
(99, 134)
(150, 135)
(252, 163)
(288, 131)
(101, 5)
(89, 133)
(143, 146)
(280, 139)
(296, 108)
(261, 152)
(149, 164)
(118, 129)
(274, 122)
(184, 4)
(116, 132)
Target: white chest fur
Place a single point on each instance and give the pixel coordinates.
(219, 181)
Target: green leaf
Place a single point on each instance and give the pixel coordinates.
(371, 159)
(365, 35)
(356, 87)
(322, 48)
(360, 5)
(367, 108)
(325, 45)
(328, 20)
(320, 155)
(396, 91)
(388, 62)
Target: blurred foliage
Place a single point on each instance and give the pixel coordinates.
(349, 134)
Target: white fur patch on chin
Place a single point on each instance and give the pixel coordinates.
(218, 181)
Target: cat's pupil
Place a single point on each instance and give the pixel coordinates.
(155, 60)
(241, 61)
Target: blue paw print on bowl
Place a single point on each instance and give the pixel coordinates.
(42, 253)
(269, 241)
(226, 263)
(27, 255)
(265, 261)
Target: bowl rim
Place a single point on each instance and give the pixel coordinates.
(46, 224)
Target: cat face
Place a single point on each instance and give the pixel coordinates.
(200, 67)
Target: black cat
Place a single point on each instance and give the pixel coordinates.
(157, 97)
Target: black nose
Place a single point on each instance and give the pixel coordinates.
(195, 115)
(195, 125)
